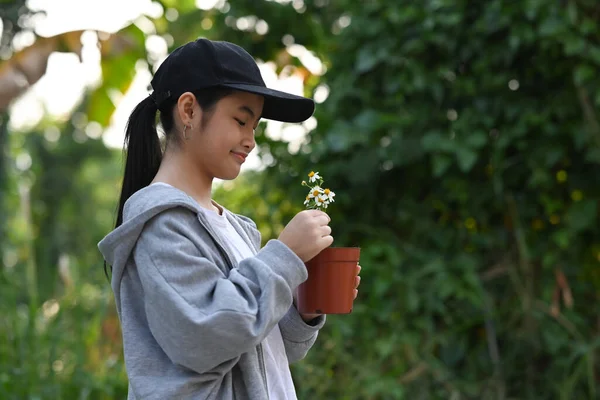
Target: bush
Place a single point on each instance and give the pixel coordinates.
(462, 141)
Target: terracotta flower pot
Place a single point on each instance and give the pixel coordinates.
(330, 286)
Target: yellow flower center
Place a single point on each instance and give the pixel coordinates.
(312, 173)
(327, 191)
(307, 197)
(315, 193)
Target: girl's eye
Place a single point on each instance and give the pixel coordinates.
(241, 123)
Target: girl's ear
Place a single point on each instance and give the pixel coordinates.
(187, 108)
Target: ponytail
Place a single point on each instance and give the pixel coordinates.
(143, 152)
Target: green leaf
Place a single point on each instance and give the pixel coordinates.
(562, 238)
(367, 121)
(583, 73)
(119, 57)
(365, 63)
(368, 58)
(435, 141)
(540, 177)
(466, 158)
(572, 12)
(553, 155)
(549, 260)
(551, 26)
(531, 8)
(100, 107)
(588, 26)
(593, 155)
(574, 44)
(476, 139)
(514, 41)
(180, 5)
(582, 215)
(594, 52)
(430, 141)
(440, 163)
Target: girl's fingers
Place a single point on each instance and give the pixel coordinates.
(326, 230)
(357, 280)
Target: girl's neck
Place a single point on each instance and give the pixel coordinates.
(179, 172)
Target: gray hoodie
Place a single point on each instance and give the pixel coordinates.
(193, 320)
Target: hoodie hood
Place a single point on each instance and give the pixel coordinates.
(117, 246)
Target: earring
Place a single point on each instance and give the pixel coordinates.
(184, 129)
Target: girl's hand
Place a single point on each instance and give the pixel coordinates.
(310, 317)
(307, 234)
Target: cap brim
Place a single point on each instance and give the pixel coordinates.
(279, 106)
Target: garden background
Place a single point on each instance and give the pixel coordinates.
(462, 139)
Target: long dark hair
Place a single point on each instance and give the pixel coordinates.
(142, 147)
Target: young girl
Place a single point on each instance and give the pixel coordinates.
(206, 313)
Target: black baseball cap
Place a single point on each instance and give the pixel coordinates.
(204, 63)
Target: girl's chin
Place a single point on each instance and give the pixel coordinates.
(229, 175)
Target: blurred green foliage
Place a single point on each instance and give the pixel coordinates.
(462, 140)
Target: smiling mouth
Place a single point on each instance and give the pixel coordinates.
(239, 156)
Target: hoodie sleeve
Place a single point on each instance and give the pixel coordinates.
(298, 336)
(200, 317)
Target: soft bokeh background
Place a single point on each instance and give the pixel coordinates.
(462, 139)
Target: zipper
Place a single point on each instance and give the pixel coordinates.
(221, 248)
(261, 359)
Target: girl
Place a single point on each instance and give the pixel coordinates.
(206, 313)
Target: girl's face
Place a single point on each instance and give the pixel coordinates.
(220, 147)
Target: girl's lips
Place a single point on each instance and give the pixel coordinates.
(240, 156)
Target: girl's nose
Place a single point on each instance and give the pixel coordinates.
(249, 143)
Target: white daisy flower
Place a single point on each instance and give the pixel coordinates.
(313, 176)
(320, 201)
(330, 195)
(315, 192)
(323, 200)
